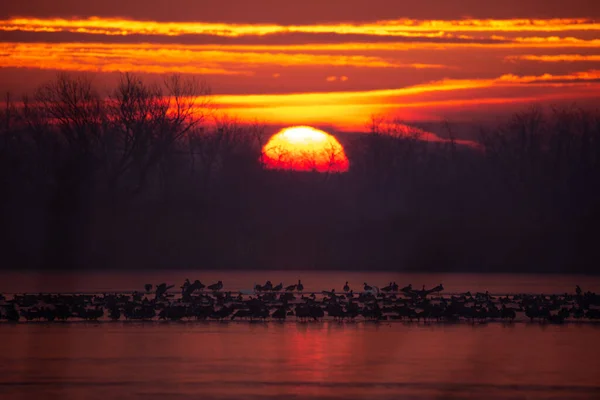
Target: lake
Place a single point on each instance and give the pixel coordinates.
(241, 360)
(299, 360)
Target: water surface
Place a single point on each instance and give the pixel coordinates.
(241, 360)
(306, 360)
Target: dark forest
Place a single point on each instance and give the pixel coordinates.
(148, 177)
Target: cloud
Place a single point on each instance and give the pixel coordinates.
(555, 58)
(350, 109)
(183, 59)
(285, 38)
(400, 27)
(342, 78)
(381, 96)
(431, 62)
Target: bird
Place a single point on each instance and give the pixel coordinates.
(367, 287)
(407, 289)
(148, 287)
(161, 290)
(191, 288)
(300, 286)
(279, 314)
(388, 288)
(216, 286)
(290, 288)
(440, 288)
(346, 287)
(185, 284)
(278, 287)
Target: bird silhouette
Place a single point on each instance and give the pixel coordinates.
(216, 286)
(291, 288)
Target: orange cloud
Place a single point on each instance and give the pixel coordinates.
(107, 58)
(401, 27)
(380, 96)
(591, 75)
(342, 78)
(350, 109)
(165, 58)
(472, 49)
(554, 58)
(500, 43)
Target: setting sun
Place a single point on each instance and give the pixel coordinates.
(303, 148)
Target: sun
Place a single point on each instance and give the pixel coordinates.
(303, 148)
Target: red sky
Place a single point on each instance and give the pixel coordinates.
(321, 62)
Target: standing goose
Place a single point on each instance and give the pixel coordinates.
(300, 286)
(216, 286)
(346, 287)
(367, 287)
(279, 314)
(290, 288)
(388, 288)
(185, 285)
(190, 289)
(278, 287)
(161, 290)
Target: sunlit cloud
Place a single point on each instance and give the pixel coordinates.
(380, 96)
(555, 58)
(401, 27)
(342, 78)
(501, 43)
(350, 109)
(164, 59)
(299, 71)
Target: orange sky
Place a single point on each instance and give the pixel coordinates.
(427, 62)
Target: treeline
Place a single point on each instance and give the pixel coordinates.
(149, 176)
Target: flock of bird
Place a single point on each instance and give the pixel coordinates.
(196, 301)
